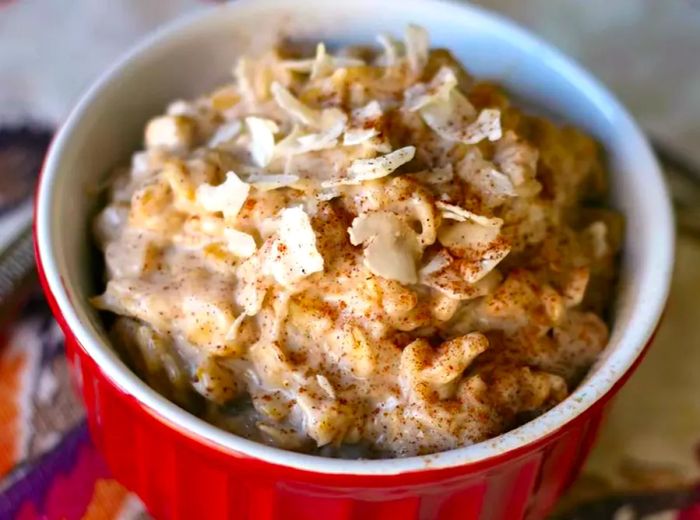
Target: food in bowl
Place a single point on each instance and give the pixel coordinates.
(360, 254)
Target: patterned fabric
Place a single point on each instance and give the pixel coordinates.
(48, 465)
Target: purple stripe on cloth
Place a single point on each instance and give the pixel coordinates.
(22, 151)
(60, 484)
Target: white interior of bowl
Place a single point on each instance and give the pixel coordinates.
(195, 54)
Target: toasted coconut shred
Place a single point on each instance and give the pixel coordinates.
(359, 252)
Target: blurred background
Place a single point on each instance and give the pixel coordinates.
(647, 461)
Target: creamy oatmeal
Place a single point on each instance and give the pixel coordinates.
(366, 253)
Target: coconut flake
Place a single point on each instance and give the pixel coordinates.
(170, 132)
(481, 174)
(228, 197)
(447, 118)
(486, 126)
(325, 385)
(331, 126)
(474, 239)
(265, 182)
(295, 108)
(390, 49)
(250, 294)
(244, 72)
(235, 327)
(452, 212)
(365, 124)
(438, 175)
(417, 47)
(225, 133)
(436, 264)
(479, 247)
(516, 158)
(442, 273)
(289, 144)
(332, 123)
(327, 194)
(391, 246)
(370, 169)
(293, 254)
(239, 243)
(323, 63)
(466, 235)
(254, 76)
(262, 132)
(476, 270)
(439, 89)
(201, 232)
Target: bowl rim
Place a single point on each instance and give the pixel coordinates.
(587, 395)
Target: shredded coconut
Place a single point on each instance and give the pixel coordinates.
(516, 158)
(262, 133)
(332, 125)
(264, 182)
(243, 72)
(384, 245)
(452, 212)
(390, 53)
(443, 274)
(490, 183)
(322, 64)
(325, 385)
(225, 133)
(293, 254)
(169, 132)
(476, 240)
(447, 118)
(365, 124)
(232, 332)
(295, 108)
(438, 175)
(369, 169)
(227, 197)
(391, 246)
(417, 47)
(239, 243)
(438, 90)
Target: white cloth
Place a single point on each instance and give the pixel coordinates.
(51, 50)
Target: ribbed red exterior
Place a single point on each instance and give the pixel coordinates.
(180, 477)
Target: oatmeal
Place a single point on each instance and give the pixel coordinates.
(363, 252)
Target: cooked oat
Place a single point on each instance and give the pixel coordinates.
(370, 248)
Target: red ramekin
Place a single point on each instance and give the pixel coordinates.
(184, 468)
